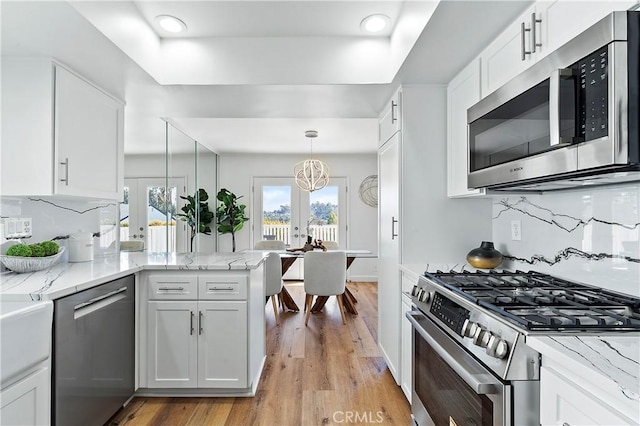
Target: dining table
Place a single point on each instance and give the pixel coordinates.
(288, 258)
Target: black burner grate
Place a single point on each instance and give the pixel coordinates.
(542, 302)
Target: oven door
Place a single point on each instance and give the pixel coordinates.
(449, 386)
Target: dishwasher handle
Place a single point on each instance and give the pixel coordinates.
(99, 302)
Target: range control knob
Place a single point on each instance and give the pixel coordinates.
(425, 296)
(469, 328)
(497, 347)
(481, 338)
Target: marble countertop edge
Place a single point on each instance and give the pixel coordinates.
(68, 278)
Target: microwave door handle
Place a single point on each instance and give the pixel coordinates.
(554, 107)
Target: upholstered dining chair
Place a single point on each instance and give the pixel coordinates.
(269, 245)
(273, 281)
(325, 274)
(330, 245)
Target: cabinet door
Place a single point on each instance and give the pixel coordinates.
(27, 402)
(88, 139)
(502, 59)
(172, 336)
(462, 93)
(390, 120)
(222, 345)
(562, 402)
(559, 19)
(389, 253)
(406, 372)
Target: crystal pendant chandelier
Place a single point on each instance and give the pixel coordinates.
(311, 175)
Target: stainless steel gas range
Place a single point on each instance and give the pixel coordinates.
(471, 365)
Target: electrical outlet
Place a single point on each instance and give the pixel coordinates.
(516, 230)
(17, 227)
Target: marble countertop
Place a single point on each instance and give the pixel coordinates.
(609, 365)
(67, 278)
(614, 357)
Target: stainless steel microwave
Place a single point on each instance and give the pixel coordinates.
(570, 120)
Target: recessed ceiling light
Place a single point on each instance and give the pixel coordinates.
(171, 23)
(375, 23)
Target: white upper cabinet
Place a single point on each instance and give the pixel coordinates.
(390, 120)
(511, 52)
(560, 22)
(541, 29)
(61, 135)
(462, 93)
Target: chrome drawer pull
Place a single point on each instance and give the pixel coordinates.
(220, 288)
(171, 288)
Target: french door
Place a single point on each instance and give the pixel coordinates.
(148, 214)
(284, 212)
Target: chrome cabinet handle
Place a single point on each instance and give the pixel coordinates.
(191, 324)
(199, 322)
(523, 48)
(65, 163)
(534, 42)
(171, 288)
(393, 227)
(220, 288)
(393, 112)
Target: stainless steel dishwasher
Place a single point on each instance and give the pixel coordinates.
(93, 358)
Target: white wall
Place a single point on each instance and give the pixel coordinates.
(238, 170)
(435, 228)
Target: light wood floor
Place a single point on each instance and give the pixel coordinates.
(327, 373)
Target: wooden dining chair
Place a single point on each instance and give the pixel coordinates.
(269, 245)
(273, 282)
(325, 274)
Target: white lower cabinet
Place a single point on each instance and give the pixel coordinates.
(27, 402)
(563, 402)
(172, 360)
(195, 341)
(222, 344)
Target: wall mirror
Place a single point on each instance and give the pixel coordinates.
(153, 216)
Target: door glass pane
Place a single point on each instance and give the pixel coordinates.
(124, 216)
(276, 213)
(161, 218)
(324, 215)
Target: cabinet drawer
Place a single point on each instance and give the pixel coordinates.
(173, 287)
(221, 287)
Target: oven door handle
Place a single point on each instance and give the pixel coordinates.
(481, 383)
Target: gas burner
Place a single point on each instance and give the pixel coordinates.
(537, 301)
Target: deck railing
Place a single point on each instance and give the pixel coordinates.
(283, 233)
(156, 239)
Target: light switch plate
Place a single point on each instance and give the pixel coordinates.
(516, 230)
(17, 227)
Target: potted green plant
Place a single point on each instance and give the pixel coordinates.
(230, 215)
(199, 222)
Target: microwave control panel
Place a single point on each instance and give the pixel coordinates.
(593, 73)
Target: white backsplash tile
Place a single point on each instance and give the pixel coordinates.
(52, 217)
(591, 236)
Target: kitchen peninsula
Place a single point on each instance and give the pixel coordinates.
(198, 323)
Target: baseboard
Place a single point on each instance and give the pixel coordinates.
(363, 278)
